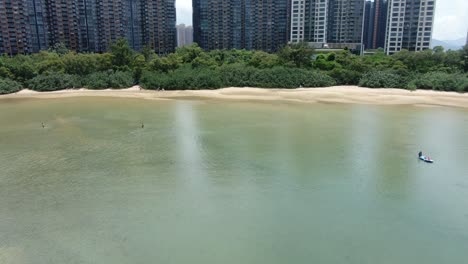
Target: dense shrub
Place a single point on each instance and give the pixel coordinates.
(97, 80)
(314, 79)
(9, 86)
(281, 77)
(108, 79)
(261, 59)
(79, 64)
(6, 73)
(153, 80)
(191, 67)
(382, 79)
(181, 79)
(204, 79)
(22, 72)
(325, 63)
(277, 77)
(345, 77)
(235, 76)
(54, 81)
(441, 81)
(50, 66)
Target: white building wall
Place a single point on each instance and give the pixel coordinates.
(321, 21)
(425, 25)
(297, 20)
(395, 26)
(398, 37)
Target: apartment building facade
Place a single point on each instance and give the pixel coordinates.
(184, 35)
(62, 22)
(29, 26)
(241, 24)
(345, 22)
(266, 24)
(327, 22)
(219, 24)
(88, 26)
(159, 25)
(22, 26)
(375, 24)
(410, 25)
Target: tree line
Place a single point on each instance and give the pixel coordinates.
(191, 67)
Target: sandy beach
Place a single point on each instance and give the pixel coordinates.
(337, 94)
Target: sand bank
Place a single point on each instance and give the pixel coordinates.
(337, 94)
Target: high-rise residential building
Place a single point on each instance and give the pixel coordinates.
(188, 35)
(337, 23)
(316, 21)
(159, 25)
(17, 20)
(241, 24)
(113, 22)
(298, 22)
(92, 26)
(375, 24)
(409, 26)
(217, 23)
(345, 21)
(62, 21)
(184, 35)
(133, 16)
(86, 25)
(380, 24)
(266, 24)
(38, 37)
(141, 22)
(180, 35)
(368, 24)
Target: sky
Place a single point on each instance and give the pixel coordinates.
(451, 20)
(184, 12)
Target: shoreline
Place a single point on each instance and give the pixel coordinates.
(335, 94)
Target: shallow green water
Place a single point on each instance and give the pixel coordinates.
(230, 182)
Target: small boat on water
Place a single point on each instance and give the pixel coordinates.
(424, 158)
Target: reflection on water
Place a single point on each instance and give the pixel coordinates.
(189, 150)
(224, 182)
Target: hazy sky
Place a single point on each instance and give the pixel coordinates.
(451, 21)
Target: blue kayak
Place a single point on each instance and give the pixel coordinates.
(426, 159)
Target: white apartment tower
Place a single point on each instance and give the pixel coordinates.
(297, 21)
(317, 25)
(409, 25)
(309, 21)
(337, 23)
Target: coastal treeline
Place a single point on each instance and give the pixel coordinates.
(193, 68)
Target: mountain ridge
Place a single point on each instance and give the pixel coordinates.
(449, 44)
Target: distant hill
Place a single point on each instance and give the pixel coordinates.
(449, 44)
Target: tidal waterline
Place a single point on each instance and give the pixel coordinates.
(230, 182)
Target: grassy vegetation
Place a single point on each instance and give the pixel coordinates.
(192, 68)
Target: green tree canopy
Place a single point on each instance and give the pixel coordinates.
(122, 54)
(298, 55)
